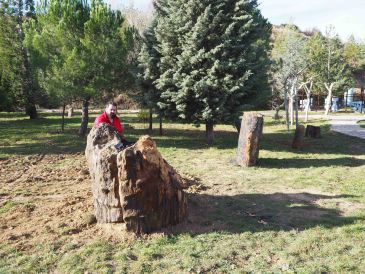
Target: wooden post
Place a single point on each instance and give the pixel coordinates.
(249, 139)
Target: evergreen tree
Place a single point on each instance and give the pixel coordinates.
(80, 50)
(18, 86)
(213, 57)
(148, 71)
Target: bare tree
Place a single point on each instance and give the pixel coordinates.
(289, 54)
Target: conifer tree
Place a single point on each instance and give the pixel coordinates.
(18, 86)
(213, 57)
(81, 50)
(148, 71)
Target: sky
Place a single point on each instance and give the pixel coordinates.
(347, 16)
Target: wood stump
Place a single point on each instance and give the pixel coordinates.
(298, 137)
(136, 186)
(249, 139)
(313, 132)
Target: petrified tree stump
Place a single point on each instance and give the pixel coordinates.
(249, 139)
(101, 157)
(136, 186)
(313, 132)
(151, 192)
(298, 137)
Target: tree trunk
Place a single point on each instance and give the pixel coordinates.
(291, 109)
(276, 115)
(286, 110)
(161, 131)
(329, 98)
(249, 139)
(209, 132)
(296, 109)
(84, 118)
(70, 112)
(298, 137)
(362, 99)
(31, 110)
(307, 107)
(136, 185)
(150, 121)
(63, 117)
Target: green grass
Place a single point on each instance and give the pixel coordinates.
(298, 211)
(7, 206)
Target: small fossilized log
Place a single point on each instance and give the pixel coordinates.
(298, 137)
(313, 132)
(249, 139)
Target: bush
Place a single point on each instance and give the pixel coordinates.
(143, 115)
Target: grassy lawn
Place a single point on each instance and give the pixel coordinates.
(298, 211)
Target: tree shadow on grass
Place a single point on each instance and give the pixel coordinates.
(189, 138)
(330, 143)
(31, 131)
(307, 163)
(265, 212)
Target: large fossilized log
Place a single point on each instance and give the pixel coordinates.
(298, 139)
(151, 192)
(249, 139)
(136, 186)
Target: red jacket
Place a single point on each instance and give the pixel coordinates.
(103, 118)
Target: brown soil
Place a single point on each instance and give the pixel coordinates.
(47, 198)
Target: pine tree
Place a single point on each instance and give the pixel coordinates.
(80, 50)
(148, 71)
(213, 57)
(17, 77)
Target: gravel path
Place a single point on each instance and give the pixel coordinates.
(347, 125)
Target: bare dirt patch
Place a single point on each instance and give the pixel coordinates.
(44, 200)
(47, 198)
